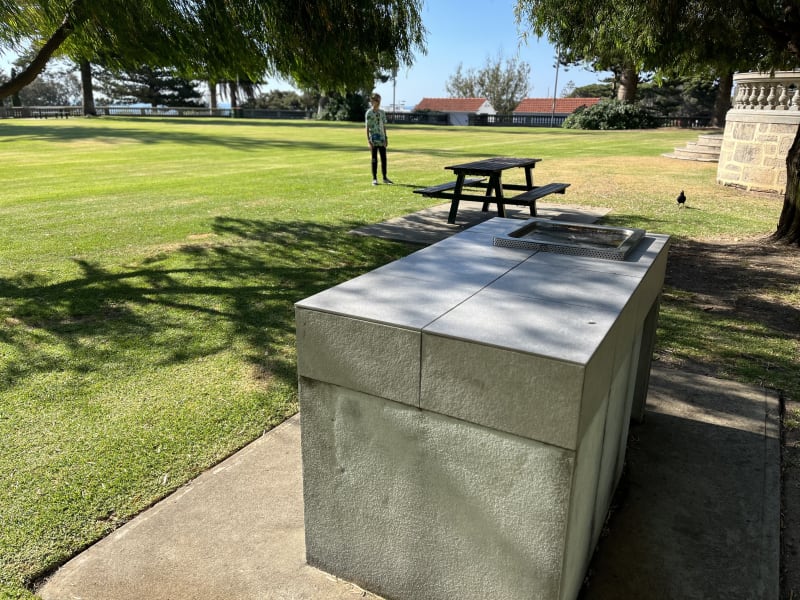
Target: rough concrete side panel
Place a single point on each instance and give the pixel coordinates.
(614, 440)
(411, 505)
(597, 383)
(360, 355)
(523, 394)
(580, 544)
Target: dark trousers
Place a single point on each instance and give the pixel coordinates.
(375, 151)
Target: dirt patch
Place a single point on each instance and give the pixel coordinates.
(757, 280)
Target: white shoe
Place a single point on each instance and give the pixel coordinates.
(387, 181)
(374, 182)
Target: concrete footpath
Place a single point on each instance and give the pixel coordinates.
(697, 516)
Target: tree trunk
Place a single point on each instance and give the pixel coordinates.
(15, 99)
(628, 84)
(322, 104)
(87, 88)
(212, 92)
(789, 223)
(723, 102)
(232, 89)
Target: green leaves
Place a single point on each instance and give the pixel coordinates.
(682, 35)
(330, 44)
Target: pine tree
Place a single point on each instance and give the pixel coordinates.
(146, 85)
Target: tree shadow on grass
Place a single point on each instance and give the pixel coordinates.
(148, 135)
(729, 307)
(733, 304)
(236, 140)
(185, 302)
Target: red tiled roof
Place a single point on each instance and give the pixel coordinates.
(468, 105)
(545, 105)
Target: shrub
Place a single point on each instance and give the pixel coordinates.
(611, 114)
(350, 107)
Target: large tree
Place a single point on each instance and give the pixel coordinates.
(674, 34)
(156, 87)
(591, 32)
(503, 82)
(335, 44)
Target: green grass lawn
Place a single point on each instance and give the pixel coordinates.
(148, 270)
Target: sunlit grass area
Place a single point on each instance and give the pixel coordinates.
(148, 271)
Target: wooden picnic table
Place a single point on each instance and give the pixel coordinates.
(492, 168)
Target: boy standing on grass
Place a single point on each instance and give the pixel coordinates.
(376, 137)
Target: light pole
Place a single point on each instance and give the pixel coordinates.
(555, 88)
(394, 93)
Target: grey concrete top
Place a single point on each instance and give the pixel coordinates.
(464, 287)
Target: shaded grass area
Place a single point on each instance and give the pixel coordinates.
(733, 310)
(122, 383)
(148, 270)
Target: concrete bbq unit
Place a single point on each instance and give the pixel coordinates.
(465, 412)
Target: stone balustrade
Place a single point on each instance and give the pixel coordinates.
(759, 131)
(758, 91)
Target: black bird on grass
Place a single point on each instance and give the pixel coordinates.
(681, 199)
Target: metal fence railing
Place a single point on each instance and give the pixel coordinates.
(507, 120)
(684, 122)
(39, 112)
(53, 112)
(424, 118)
(558, 120)
(418, 118)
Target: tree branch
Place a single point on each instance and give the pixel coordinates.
(39, 62)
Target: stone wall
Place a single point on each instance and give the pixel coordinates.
(759, 131)
(754, 150)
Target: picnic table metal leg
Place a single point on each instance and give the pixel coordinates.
(488, 194)
(529, 177)
(494, 181)
(451, 218)
(529, 183)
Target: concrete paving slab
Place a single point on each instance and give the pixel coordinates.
(430, 225)
(699, 506)
(700, 518)
(235, 533)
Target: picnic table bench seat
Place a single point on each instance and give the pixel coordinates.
(540, 191)
(436, 190)
(529, 197)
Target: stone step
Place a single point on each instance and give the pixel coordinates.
(701, 146)
(682, 154)
(705, 149)
(710, 139)
(702, 149)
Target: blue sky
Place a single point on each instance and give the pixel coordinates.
(467, 32)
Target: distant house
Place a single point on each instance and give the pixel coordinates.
(544, 106)
(457, 109)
